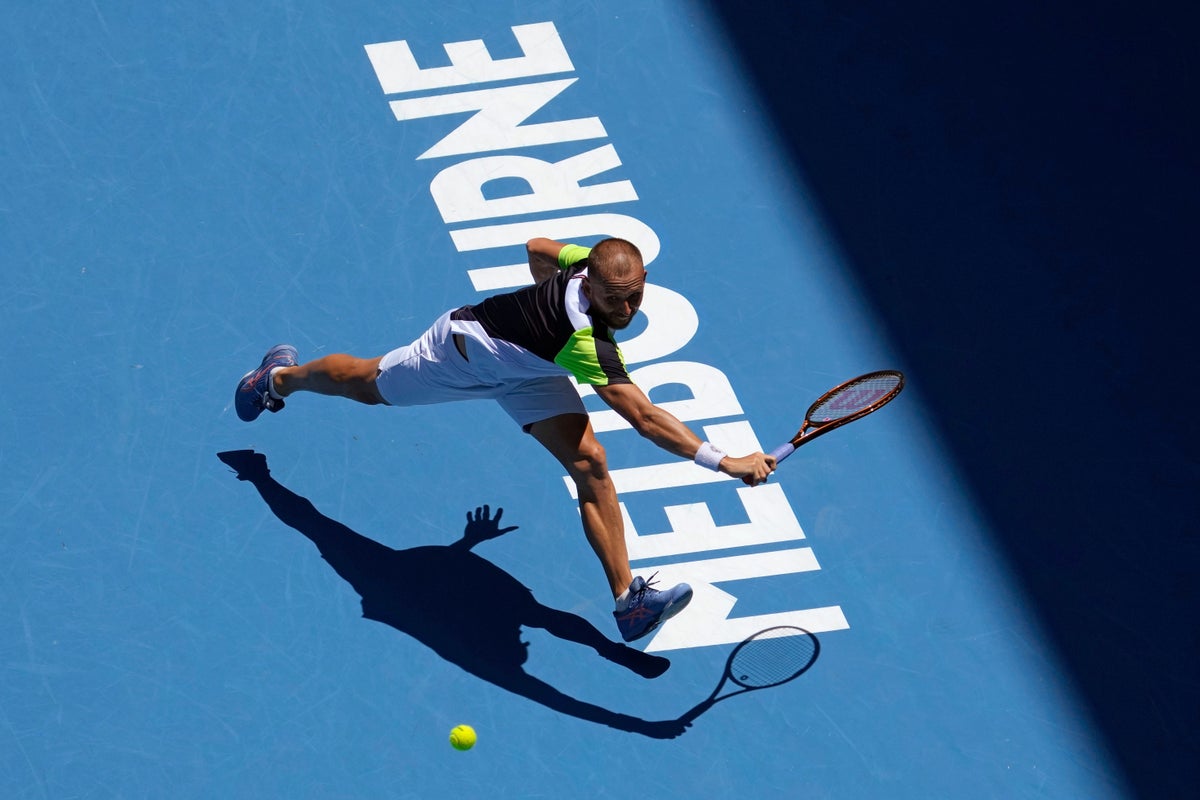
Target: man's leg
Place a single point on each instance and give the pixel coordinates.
(279, 375)
(640, 608)
(337, 375)
(422, 372)
(570, 439)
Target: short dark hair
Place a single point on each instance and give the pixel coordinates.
(614, 258)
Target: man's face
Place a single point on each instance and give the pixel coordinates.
(615, 302)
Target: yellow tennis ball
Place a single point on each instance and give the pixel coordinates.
(462, 737)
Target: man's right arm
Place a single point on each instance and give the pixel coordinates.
(666, 431)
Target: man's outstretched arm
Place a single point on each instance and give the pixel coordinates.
(665, 430)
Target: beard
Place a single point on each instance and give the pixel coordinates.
(617, 323)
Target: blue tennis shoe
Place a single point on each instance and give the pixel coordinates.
(253, 396)
(648, 607)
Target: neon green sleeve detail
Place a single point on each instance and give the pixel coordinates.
(591, 360)
(579, 358)
(572, 253)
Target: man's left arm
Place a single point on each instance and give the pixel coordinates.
(665, 430)
(543, 258)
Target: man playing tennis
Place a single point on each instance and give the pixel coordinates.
(518, 349)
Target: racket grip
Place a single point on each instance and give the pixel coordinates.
(783, 451)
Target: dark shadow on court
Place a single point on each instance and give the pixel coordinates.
(404, 589)
(1016, 188)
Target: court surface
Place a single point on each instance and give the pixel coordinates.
(187, 185)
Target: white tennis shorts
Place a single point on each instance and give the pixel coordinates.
(431, 370)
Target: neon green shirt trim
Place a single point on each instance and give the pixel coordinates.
(579, 357)
(572, 253)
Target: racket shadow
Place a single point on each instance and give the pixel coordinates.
(404, 589)
(764, 660)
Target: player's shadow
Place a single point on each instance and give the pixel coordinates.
(407, 590)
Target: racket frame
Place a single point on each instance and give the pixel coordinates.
(811, 430)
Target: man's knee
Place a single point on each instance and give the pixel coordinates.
(591, 462)
(570, 438)
(369, 393)
(351, 369)
(356, 377)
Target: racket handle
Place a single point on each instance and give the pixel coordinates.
(783, 451)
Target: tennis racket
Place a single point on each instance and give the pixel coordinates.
(771, 657)
(843, 404)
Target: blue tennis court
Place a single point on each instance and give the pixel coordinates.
(1003, 591)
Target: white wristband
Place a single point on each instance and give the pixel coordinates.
(709, 456)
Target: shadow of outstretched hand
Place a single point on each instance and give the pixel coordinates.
(482, 527)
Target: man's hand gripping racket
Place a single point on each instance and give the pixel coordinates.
(843, 404)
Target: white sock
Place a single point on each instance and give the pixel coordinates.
(271, 384)
(623, 600)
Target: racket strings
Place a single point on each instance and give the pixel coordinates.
(759, 663)
(854, 397)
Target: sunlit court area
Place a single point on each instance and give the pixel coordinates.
(983, 589)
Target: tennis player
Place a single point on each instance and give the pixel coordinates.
(518, 348)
